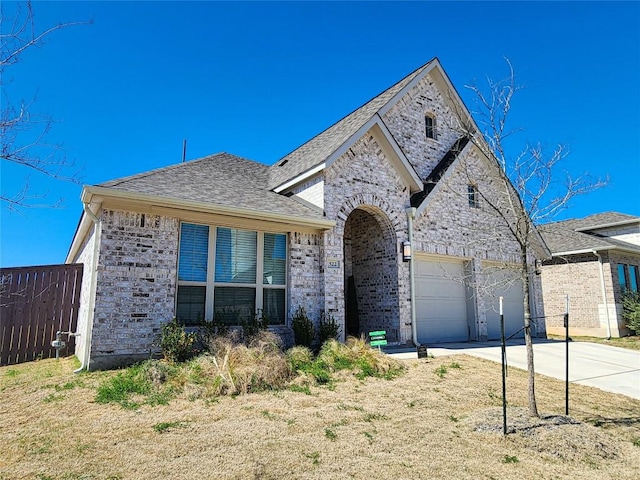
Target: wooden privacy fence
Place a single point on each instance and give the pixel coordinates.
(35, 303)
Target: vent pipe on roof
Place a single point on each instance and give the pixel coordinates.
(184, 150)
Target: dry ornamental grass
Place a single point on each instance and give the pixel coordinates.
(441, 419)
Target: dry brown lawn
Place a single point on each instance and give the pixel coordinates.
(418, 426)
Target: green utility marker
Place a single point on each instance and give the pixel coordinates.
(378, 338)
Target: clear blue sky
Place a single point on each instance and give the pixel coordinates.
(259, 79)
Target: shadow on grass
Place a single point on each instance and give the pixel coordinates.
(600, 421)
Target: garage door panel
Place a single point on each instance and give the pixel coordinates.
(442, 309)
(441, 304)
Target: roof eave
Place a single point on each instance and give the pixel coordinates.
(91, 193)
(406, 170)
(608, 225)
(581, 251)
(596, 249)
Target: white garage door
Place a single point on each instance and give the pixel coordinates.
(509, 287)
(441, 304)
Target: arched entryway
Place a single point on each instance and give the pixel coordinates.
(371, 271)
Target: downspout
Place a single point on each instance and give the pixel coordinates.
(604, 294)
(92, 292)
(411, 215)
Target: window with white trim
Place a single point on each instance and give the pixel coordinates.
(229, 275)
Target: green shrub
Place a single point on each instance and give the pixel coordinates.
(302, 326)
(328, 328)
(631, 310)
(177, 345)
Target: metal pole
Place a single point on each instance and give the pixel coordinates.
(566, 341)
(504, 372)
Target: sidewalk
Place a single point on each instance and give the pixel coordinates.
(608, 368)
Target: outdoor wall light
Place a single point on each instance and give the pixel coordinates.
(538, 267)
(406, 251)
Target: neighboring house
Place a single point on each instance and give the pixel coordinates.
(324, 229)
(594, 260)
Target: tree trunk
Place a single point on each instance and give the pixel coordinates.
(533, 407)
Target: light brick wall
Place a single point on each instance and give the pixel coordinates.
(136, 285)
(406, 122)
(372, 260)
(579, 277)
(363, 178)
(447, 225)
(85, 256)
(305, 274)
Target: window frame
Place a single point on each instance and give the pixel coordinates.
(472, 195)
(259, 284)
(629, 277)
(430, 128)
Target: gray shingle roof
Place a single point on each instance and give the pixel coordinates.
(220, 179)
(597, 220)
(563, 237)
(319, 148)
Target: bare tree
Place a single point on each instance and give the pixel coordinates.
(23, 133)
(526, 189)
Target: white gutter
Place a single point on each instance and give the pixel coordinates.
(411, 215)
(604, 293)
(600, 249)
(92, 288)
(577, 252)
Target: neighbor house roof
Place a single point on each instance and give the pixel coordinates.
(322, 146)
(570, 236)
(599, 220)
(221, 179)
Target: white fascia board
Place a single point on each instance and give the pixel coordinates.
(375, 119)
(329, 160)
(84, 226)
(385, 108)
(300, 178)
(78, 237)
(406, 170)
(101, 193)
(608, 225)
(598, 249)
(582, 250)
(402, 164)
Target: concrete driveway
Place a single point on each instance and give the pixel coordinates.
(612, 369)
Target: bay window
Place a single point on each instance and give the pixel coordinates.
(229, 275)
